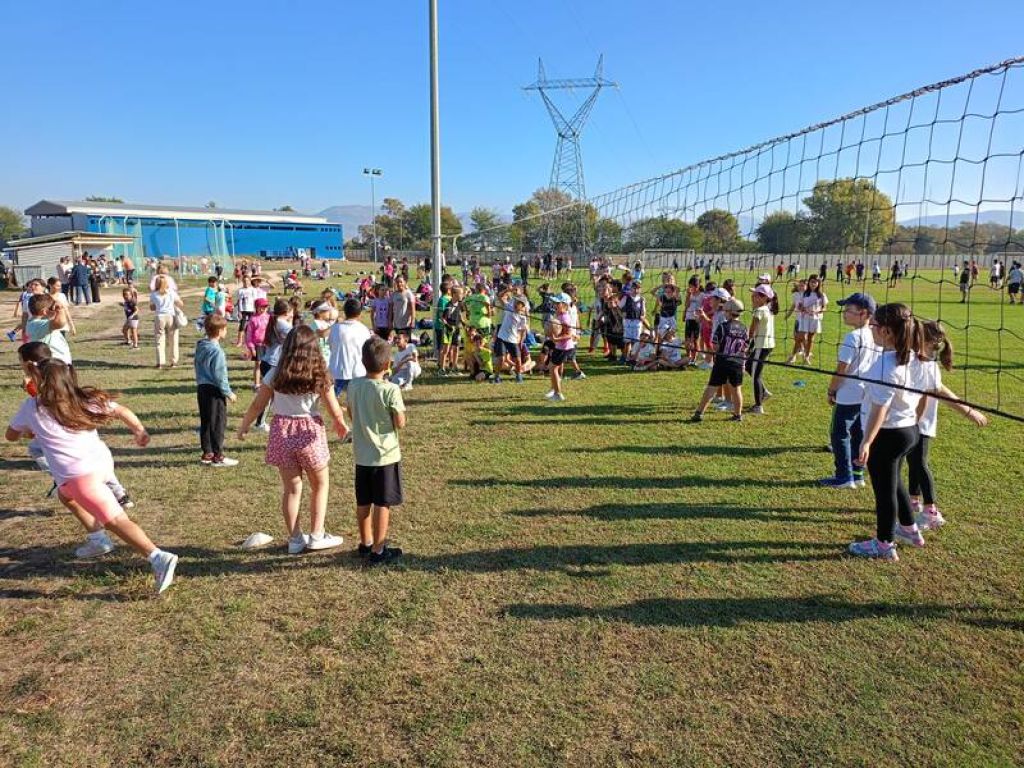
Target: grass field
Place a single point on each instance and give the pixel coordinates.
(592, 583)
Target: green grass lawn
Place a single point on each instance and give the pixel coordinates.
(592, 583)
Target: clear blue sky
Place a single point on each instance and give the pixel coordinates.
(256, 105)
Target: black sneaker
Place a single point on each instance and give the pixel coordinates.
(385, 556)
(697, 417)
(364, 549)
(737, 417)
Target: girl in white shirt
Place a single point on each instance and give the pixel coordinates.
(297, 386)
(936, 350)
(62, 418)
(889, 415)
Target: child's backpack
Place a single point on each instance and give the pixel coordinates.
(450, 316)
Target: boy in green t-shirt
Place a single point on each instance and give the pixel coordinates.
(377, 412)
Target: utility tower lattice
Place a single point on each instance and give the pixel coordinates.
(567, 168)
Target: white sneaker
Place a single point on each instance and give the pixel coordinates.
(264, 427)
(406, 387)
(96, 545)
(163, 570)
(726, 406)
(558, 398)
(323, 541)
(224, 461)
(860, 482)
(911, 535)
(550, 395)
(297, 545)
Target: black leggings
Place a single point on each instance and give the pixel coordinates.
(755, 367)
(885, 465)
(921, 483)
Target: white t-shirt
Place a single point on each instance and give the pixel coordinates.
(512, 325)
(672, 352)
(401, 355)
(245, 298)
(163, 303)
(61, 299)
(305, 405)
(645, 353)
(902, 404)
(859, 351)
(765, 336)
(346, 342)
(69, 454)
(172, 287)
(929, 379)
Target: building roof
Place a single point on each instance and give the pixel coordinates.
(68, 207)
(84, 238)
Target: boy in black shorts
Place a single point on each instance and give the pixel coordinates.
(730, 341)
(377, 413)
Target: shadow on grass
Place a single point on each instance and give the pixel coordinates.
(615, 512)
(731, 612)
(108, 365)
(582, 410)
(622, 482)
(705, 450)
(200, 562)
(8, 514)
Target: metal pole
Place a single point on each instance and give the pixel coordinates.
(373, 212)
(435, 172)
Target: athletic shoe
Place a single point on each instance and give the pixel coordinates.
(163, 569)
(550, 395)
(96, 544)
(875, 549)
(323, 541)
(364, 550)
(766, 394)
(519, 378)
(223, 461)
(206, 459)
(835, 482)
(297, 545)
(717, 401)
(579, 376)
(930, 521)
(12, 336)
(759, 409)
(126, 502)
(558, 398)
(264, 427)
(406, 387)
(916, 507)
(385, 556)
(724, 406)
(911, 535)
(737, 417)
(697, 418)
(496, 380)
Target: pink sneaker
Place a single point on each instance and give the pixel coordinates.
(911, 535)
(875, 549)
(930, 519)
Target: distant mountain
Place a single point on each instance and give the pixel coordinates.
(983, 217)
(351, 217)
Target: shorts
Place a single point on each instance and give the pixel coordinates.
(406, 331)
(509, 348)
(725, 373)
(380, 486)
(1013, 288)
(666, 324)
(94, 496)
(131, 322)
(631, 331)
(384, 333)
(705, 334)
(692, 330)
(447, 333)
(562, 356)
(298, 443)
(243, 320)
(340, 385)
(808, 325)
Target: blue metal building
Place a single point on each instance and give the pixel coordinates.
(171, 232)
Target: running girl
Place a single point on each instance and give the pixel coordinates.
(295, 388)
(63, 418)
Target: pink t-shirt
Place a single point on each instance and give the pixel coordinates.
(69, 454)
(565, 320)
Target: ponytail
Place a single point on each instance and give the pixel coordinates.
(774, 306)
(906, 332)
(934, 335)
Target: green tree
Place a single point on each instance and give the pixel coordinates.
(12, 224)
(526, 230)
(721, 230)
(101, 199)
(418, 225)
(663, 232)
(782, 232)
(391, 223)
(849, 215)
(211, 204)
(487, 229)
(607, 236)
(285, 209)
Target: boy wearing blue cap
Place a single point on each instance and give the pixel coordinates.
(856, 355)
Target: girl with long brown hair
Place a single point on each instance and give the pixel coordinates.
(63, 418)
(295, 388)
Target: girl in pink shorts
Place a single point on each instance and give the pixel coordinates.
(295, 388)
(62, 418)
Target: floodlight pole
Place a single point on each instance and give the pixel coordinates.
(435, 174)
(371, 172)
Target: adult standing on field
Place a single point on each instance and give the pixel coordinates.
(163, 270)
(403, 307)
(164, 302)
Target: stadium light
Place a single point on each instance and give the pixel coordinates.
(371, 172)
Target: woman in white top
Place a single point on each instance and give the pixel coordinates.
(811, 307)
(889, 414)
(163, 271)
(164, 301)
